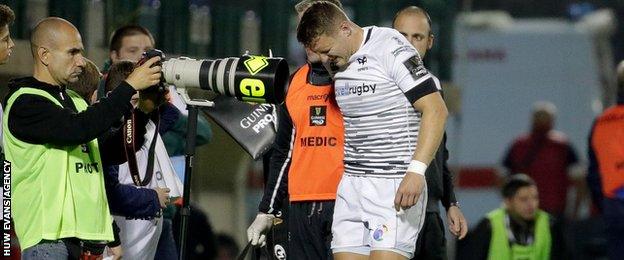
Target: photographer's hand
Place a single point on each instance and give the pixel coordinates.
(145, 76)
(163, 196)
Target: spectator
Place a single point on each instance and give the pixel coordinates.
(518, 230)
(6, 42)
(87, 82)
(548, 158)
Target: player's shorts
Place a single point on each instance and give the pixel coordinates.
(365, 218)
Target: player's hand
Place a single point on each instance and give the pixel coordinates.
(163, 196)
(409, 191)
(143, 76)
(456, 221)
(256, 233)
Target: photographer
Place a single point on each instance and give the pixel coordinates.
(128, 43)
(139, 236)
(59, 203)
(124, 199)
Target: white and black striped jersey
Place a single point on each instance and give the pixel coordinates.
(375, 93)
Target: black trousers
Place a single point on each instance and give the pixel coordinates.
(431, 243)
(309, 228)
(613, 213)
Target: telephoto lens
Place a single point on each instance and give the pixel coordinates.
(247, 78)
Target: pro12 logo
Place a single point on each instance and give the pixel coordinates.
(318, 115)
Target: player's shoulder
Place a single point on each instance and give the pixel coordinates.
(386, 33)
(390, 41)
(384, 36)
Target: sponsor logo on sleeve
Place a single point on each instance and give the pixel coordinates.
(415, 66)
(398, 41)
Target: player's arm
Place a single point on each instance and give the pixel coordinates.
(404, 65)
(434, 114)
(432, 122)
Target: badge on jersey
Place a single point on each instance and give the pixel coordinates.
(318, 115)
(362, 60)
(415, 66)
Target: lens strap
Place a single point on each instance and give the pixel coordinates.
(129, 132)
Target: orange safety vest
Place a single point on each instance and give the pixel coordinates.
(318, 145)
(608, 145)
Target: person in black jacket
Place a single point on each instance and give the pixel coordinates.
(414, 23)
(34, 119)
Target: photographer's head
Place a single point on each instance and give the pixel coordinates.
(87, 82)
(327, 31)
(147, 99)
(521, 197)
(6, 43)
(129, 43)
(57, 50)
(118, 72)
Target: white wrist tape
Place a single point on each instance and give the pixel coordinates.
(417, 167)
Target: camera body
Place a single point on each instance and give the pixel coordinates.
(157, 92)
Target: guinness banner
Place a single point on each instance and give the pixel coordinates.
(251, 126)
